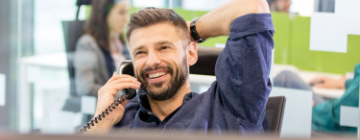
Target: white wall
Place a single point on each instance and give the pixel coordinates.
(303, 7)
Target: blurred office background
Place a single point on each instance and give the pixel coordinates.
(33, 64)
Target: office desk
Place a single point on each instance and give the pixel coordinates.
(57, 60)
(30, 70)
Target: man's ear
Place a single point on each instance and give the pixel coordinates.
(192, 55)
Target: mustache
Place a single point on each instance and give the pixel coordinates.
(148, 69)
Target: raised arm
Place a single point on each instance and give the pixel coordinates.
(242, 69)
(218, 21)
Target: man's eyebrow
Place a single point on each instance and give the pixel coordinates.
(164, 43)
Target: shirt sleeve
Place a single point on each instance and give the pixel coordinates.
(243, 67)
(348, 83)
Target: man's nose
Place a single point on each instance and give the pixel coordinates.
(152, 60)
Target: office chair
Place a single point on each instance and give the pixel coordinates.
(274, 113)
(72, 32)
(207, 57)
(206, 66)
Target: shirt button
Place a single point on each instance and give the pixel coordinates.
(149, 113)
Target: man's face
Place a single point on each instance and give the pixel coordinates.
(160, 59)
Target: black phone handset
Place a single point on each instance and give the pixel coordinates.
(125, 68)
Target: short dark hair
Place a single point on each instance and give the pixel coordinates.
(150, 16)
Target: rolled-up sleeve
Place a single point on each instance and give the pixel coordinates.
(243, 67)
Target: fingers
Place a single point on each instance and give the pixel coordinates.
(116, 76)
(126, 80)
(118, 87)
(112, 89)
(317, 80)
(125, 83)
(109, 90)
(117, 83)
(320, 86)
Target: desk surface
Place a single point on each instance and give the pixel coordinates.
(309, 75)
(56, 60)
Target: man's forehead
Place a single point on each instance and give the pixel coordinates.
(154, 34)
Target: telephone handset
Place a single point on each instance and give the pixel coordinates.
(124, 68)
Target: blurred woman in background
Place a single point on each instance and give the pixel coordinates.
(102, 47)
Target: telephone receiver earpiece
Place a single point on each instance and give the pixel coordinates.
(126, 67)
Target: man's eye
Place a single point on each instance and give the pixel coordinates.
(139, 52)
(164, 47)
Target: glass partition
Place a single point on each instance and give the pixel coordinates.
(44, 83)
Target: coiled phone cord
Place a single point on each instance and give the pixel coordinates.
(92, 122)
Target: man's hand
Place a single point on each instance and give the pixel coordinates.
(106, 97)
(327, 82)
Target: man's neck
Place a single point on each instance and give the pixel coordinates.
(164, 108)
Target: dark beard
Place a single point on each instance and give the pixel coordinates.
(177, 80)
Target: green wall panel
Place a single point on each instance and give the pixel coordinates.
(282, 25)
(302, 57)
(341, 62)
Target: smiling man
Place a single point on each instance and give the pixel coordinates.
(159, 54)
(162, 51)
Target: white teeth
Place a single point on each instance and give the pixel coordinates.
(155, 75)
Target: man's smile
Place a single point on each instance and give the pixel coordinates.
(157, 76)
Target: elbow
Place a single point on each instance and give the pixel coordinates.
(253, 6)
(260, 6)
(244, 7)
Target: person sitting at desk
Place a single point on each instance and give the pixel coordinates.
(280, 5)
(102, 47)
(162, 51)
(326, 114)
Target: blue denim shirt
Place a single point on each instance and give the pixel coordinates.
(236, 101)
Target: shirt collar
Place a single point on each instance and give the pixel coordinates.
(145, 109)
(144, 102)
